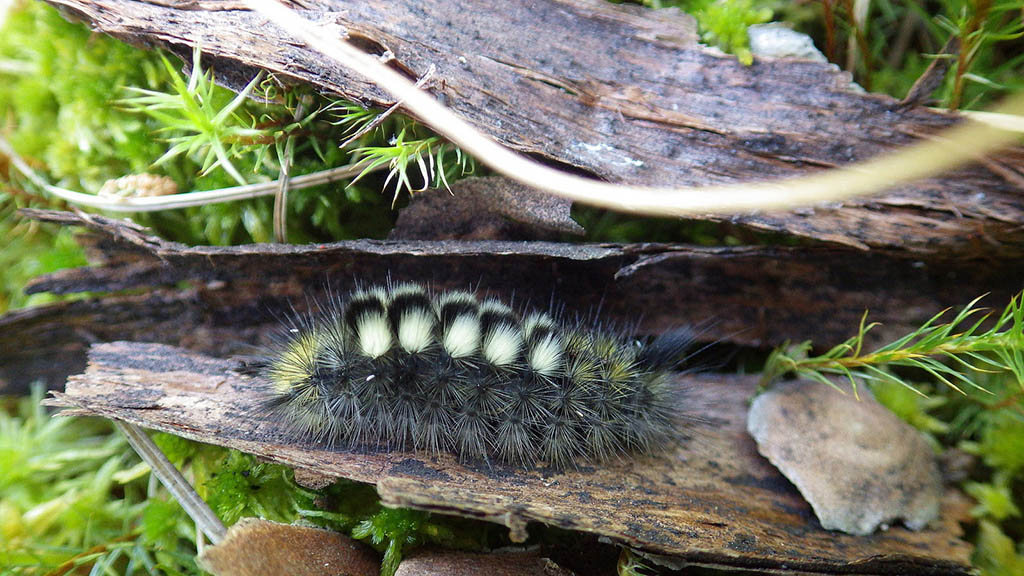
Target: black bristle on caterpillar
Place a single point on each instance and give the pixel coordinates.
(399, 367)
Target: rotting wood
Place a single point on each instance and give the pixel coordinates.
(490, 208)
(754, 296)
(624, 96)
(710, 500)
(499, 563)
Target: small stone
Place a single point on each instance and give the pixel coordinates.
(857, 464)
(255, 547)
(776, 40)
(489, 208)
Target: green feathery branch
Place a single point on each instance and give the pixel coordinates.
(951, 352)
(200, 122)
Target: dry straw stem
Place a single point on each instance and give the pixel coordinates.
(969, 141)
(1011, 122)
(185, 199)
(284, 181)
(206, 521)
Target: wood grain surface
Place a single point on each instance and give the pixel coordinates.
(224, 300)
(710, 499)
(622, 94)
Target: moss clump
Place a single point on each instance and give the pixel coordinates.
(56, 93)
(73, 494)
(723, 23)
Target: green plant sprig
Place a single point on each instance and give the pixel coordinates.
(722, 23)
(429, 154)
(200, 122)
(963, 345)
(202, 126)
(978, 25)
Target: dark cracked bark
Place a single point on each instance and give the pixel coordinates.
(625, 96)
(236, 296)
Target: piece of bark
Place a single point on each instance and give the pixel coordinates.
(501, 563)
(490, 208)
(312, 479)
(857, 464)
(933, 75)
(256, 547)
(623, 94)
(709, 499)
(753, 296)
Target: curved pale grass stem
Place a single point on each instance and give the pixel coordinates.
(185, 199)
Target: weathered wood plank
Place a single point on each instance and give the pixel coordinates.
(710, 499)
(753, 296)
(625, 95)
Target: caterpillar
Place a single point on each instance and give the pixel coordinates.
(399, 367)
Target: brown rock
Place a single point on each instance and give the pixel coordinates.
(255, 547)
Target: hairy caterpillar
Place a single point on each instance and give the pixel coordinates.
(400, 367)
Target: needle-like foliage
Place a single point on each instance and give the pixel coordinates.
(430, 155)
(198, 123)
(952, 352)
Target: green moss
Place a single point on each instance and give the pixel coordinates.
(995, 499)
(57, 481)
(58, 103)
(1001, 440)
(990, 425)
(392, 530)
(723, 23)
(912, 406)
(73, 491)
(30, 251)
(996, 554)
(239, 485)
